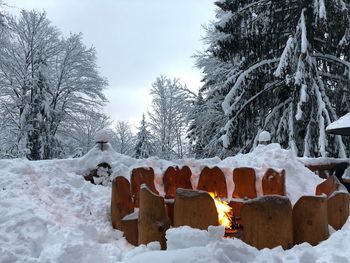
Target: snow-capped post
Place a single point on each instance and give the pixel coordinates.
(264, 138)
(102, 137)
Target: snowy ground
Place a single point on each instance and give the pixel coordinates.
(48, 213)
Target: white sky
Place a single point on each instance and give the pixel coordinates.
(136, 41)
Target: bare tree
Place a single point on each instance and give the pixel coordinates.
(45, 82)
(124, 141)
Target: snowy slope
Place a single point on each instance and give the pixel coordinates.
(48, 213)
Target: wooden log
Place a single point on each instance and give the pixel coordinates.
(328, 186)
(121, 201)
(310, 223)
(338, 209)
(176, 178)
(273, 182)
(195, 209)
(130, 228)
(244, 179)
(169, 204)
(141, 176)
(213, 180)
(267, 222)
(236, 206)
(153, 220)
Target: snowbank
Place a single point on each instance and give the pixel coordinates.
(48, 213)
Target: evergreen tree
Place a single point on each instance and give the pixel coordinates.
(289, 72)
(143, 148)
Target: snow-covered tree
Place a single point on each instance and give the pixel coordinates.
(45, 81)
(171, 104)
(124, 140)
(143, 147)
(289, 72)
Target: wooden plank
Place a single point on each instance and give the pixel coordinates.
(338, 209)
(141, 176)
(195, 209)
(213, 180)
(273, 182)
(176, 178)
(310, 220)
(244, 179)
(121, 201)
(153, 220)
(328, 186)
(267, 222)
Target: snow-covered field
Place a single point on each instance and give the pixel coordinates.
(48, 213)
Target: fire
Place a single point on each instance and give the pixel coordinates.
(224, 211)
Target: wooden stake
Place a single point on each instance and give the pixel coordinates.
(273, 182)
(244, 179)
(176, 178)
(328, 186)
(153, 221)
(141, 176)
(195, 209)
(213, 180)
(338, 209)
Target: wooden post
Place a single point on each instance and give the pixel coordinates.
(195, 209)
(268, 222)
(273, 182)
(310, 223)
(338, 209)
(121, 201)
(153, 221)
(141, 176)
(130, 228)
(213, 180)
(244, 179)
(176, 178)
(328, 186)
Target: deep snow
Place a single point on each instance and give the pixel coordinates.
(48, 213)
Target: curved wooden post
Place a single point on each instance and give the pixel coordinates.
(141, 176)
(213, 180)
(195, 209)
(244, 179)
(176, 178)
(153, 221)
(273, 182)
(328, 186)
(268, 222)
(121, 201)
(338, 209)
(310, 223)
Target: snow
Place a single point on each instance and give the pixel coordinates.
(302, 26)
(264, 136)
(103, 135)
(342, 122)
(49, 213)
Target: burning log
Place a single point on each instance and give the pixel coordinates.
(267, 222)
(176, 178)
(273, 182)
(310, 223)
(153, 221)
(195, 209)
(330, 185)
(213, 180)
(338, 209)
(244, 179)
(121, 201)
(141, 176)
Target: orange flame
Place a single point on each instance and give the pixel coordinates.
(224, 211)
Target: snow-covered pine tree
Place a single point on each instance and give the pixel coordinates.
(290, 69)
(143, 148)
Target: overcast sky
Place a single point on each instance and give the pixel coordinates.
(136, 41)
